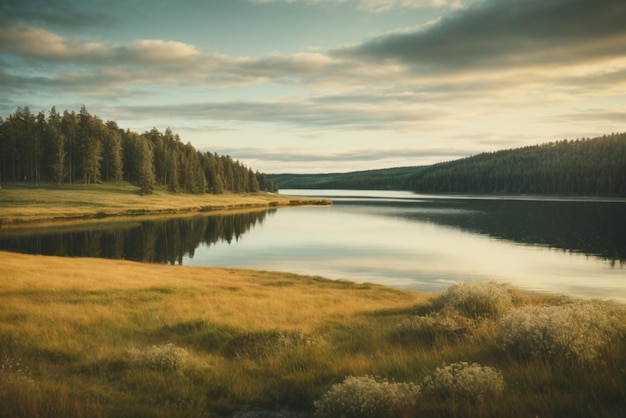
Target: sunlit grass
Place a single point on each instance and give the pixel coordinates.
(71, 202)
(87, 337)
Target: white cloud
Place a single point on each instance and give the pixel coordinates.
(41, 43)
(158, 51)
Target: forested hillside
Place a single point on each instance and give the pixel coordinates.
(591, 167)
(81, 148)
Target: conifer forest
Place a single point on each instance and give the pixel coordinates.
(72, 147)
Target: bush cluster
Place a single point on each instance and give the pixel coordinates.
(575, 331)
(460, 312)
(477, 299)
(166, 357)
(464, 381)
(367, 397)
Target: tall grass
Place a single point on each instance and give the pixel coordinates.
(109, 338)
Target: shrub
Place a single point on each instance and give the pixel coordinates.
(574, 331)
(166, 357)
(463, 381)
(477, 299)
(367, 396)
(449, 325)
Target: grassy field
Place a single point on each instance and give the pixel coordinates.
(21, 203)
(106, 338)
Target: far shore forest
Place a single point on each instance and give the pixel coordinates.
(81, 148)
(584, 167)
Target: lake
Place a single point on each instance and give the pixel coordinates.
(399, 239)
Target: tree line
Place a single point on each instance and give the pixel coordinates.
(576, 167)
(591, 167)
(81, 148)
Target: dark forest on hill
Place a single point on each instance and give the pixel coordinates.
(80, 148)
(586, 167)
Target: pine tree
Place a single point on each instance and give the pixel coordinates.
(92, 160)
(145, 166)
(58, 141)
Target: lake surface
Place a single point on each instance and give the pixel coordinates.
(400, 239)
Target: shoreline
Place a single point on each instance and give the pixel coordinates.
(28, 206)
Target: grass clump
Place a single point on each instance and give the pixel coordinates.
(477, 299)
(367, 397)
(165, 357)
(264, 343)
(21, 396)
(450, 326)
(578, 331)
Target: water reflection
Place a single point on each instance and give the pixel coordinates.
(399, 239)
(596, 227)
(158, 241)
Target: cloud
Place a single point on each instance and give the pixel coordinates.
(312, 113)
(505, 34)
(43, 44)
(40, 43)
(594, 115)
(158, 51)
(379, 6)
(361, 155)
(494, 55)
(58, 13)
(281, 66)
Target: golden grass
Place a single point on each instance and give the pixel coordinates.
(62, 315)
(67, 326)
(257, 298)
(21, 203)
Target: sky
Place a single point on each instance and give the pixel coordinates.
(313, 86)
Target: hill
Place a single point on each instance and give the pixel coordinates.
(570, 167)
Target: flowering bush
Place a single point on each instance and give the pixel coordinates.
(158, 357)
(574, 331)
(464, 381)
(367, 396)
(476, 299)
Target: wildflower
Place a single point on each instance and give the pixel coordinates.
(576, 331)
(464, 381)
(367, 396)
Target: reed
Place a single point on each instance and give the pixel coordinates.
(110, 338)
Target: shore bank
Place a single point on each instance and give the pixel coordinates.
(23, 204)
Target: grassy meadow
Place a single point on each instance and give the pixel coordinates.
(106, 338)
(21, 203)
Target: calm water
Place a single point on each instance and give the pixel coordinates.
(399, 239)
